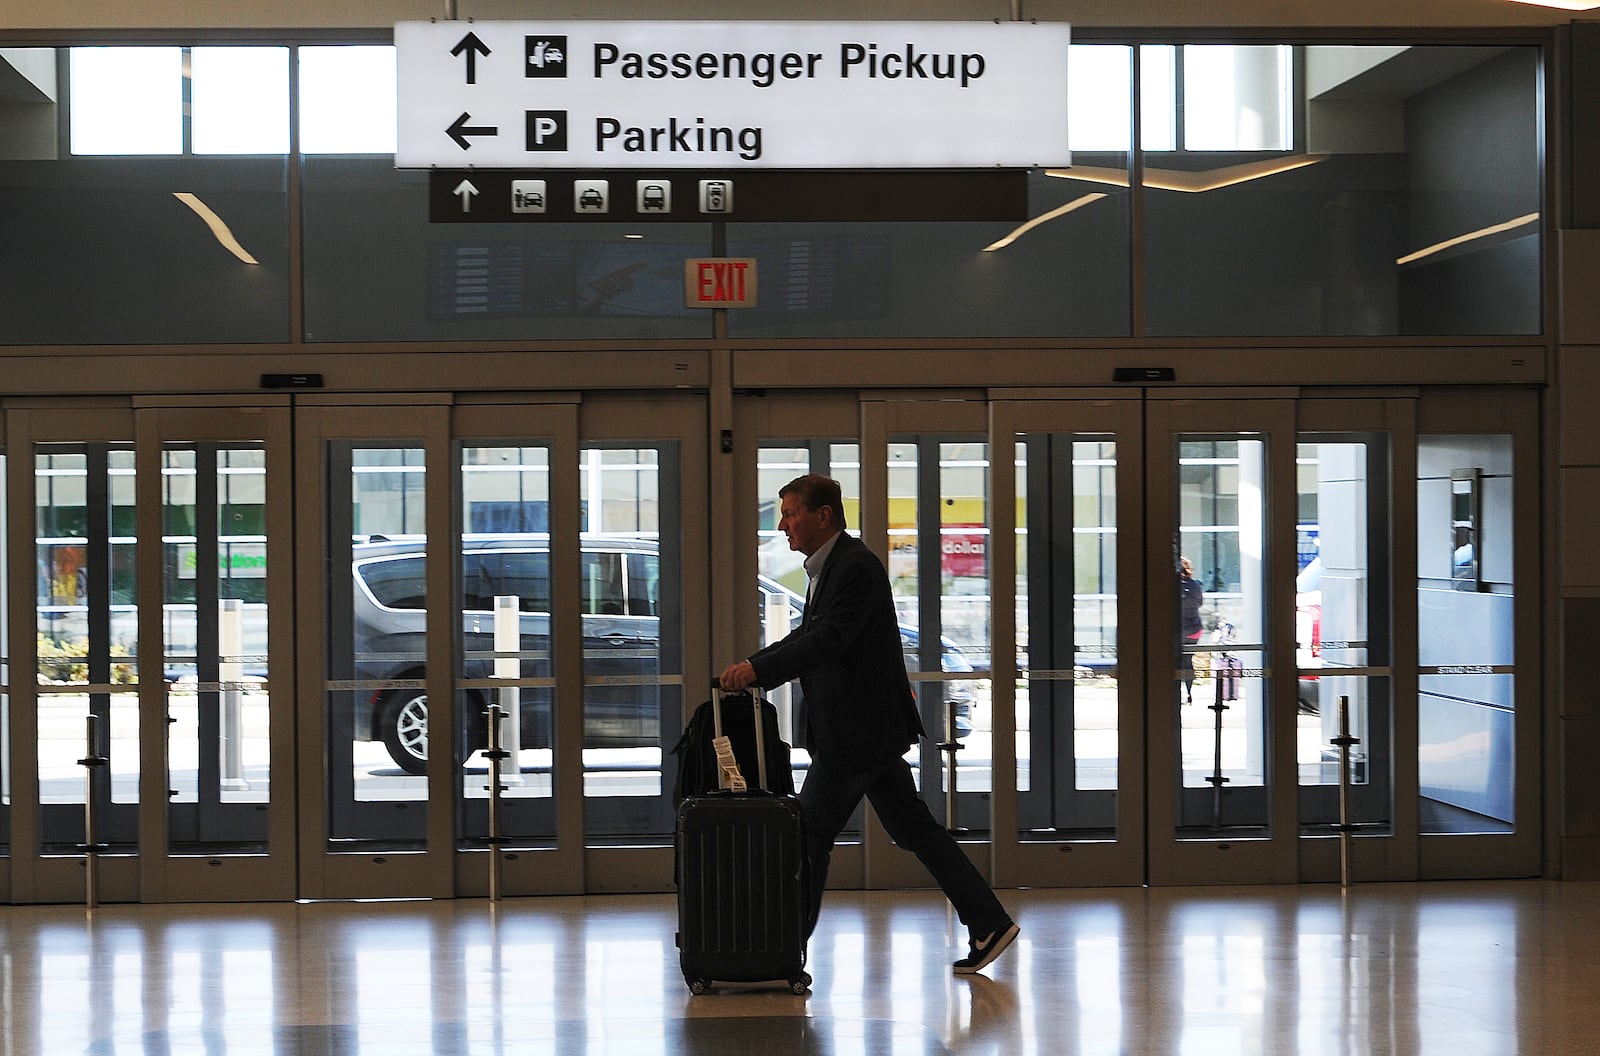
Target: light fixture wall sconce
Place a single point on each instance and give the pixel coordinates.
(1043, 218)
(1190, 182)
(1565, 5)
(219, 230)
(1470, 236)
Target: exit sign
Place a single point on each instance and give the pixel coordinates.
(719, 282)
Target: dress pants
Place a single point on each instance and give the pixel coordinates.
(828, 798)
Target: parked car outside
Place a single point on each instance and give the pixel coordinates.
(621, 642)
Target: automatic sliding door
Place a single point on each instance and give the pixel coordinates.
(154, 565)
(375, 551)
(1223, 721)
(1344, 631)
(1068, 636)
(81, 690)
(217, 487)
(1066, 592)
(939, 545)
(642, 570)
(87, 672)
(504, 600)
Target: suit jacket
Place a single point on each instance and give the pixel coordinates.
(858, 705)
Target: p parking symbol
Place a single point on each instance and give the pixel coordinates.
(547, 130)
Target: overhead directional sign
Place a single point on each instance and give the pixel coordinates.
(732, 95)
(542, 196)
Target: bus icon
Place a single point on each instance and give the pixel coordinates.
(655, 196)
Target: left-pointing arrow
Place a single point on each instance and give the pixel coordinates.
(472, 47)
(459, 130)
(465, 191)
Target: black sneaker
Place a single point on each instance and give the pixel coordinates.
(986, 947)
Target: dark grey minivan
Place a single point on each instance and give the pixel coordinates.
(620, 595)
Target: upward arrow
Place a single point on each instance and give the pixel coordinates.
(472, 47)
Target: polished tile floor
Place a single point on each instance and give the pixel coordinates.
(1457, 969)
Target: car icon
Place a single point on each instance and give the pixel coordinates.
(590, 199)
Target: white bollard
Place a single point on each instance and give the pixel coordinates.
(508, 665)
(230, 643)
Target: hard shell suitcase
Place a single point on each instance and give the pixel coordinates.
(741, 876)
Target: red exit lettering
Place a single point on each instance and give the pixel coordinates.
(720, 282)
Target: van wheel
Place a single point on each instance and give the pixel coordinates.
(404, 724)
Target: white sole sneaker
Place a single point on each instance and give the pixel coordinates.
(986, 949)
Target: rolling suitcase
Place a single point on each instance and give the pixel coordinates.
(741, 876)
(1229, 669)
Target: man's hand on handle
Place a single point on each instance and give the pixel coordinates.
(737, 676)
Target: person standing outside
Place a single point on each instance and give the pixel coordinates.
(1191, 596)
(860, 715)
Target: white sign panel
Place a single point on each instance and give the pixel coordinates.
(729, 95)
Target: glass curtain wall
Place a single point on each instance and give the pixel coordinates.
(1466, 592)
(1289, 188)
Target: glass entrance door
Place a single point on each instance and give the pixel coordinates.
(374, 572)
(1223, 674)
(1219, 544)
(527, 563)
(1074, 683)
(156, 540)
(216, 493)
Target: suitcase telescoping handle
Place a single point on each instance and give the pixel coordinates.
(717, 693)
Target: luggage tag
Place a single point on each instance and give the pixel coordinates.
(732, 777)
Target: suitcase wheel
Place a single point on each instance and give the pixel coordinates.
(698, 986)
(801, 983)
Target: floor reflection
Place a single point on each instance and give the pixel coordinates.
(1461, 968)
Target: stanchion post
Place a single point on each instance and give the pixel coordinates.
(93, 764)
(1344, 742)
(1217, 780)
(496, 755)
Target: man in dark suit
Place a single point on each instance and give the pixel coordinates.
(860, 715)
